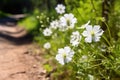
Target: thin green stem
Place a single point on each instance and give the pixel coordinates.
(108, 31)
(94, 66)
(107, 40)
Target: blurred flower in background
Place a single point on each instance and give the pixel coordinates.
(47, 45)
(47, 32)
(75, 38)
(60, 9)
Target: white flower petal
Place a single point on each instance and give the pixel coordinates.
(60, 59)
(75, 43)
(88, 39)
(89, 27)
(96, 39)
(68, 59)
(96, 27)
(100, 32)
(85, 33)
(61, 51)
(67, 49)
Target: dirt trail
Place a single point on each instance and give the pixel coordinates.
(16, 61)
(17, 64)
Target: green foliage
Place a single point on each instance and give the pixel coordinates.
(115, 19)
(85, 9)
(47, 67)
(30, 24)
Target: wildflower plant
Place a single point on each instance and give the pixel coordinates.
(85, 48)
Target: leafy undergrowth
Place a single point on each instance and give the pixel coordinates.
(30, 23)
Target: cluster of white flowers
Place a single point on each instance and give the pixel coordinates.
(90, 33)
(64, 55)
(75, 38)
(68, 21)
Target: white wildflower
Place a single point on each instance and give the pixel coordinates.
(54, 24)
(47, 45)
(75, 38)
(60, 9)
(68, 21)
(92, 33)
(64, 55)
(47, 32)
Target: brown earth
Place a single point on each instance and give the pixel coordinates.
(17, 61)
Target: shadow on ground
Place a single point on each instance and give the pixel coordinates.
(10, 31)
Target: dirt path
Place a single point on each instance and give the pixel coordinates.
(16, 61)
(17, 64)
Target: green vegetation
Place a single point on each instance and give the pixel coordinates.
(91, 61)
(30, 24)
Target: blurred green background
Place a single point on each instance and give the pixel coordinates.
(84, 10)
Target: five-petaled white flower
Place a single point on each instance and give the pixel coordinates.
(64, 55)
(60, 9)
(47, 32)
(75, 38)
(92, 33)
(47, 45)
(54, 24)
(68, 21)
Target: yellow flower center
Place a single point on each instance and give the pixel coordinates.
(64, 55)
(92, 33)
